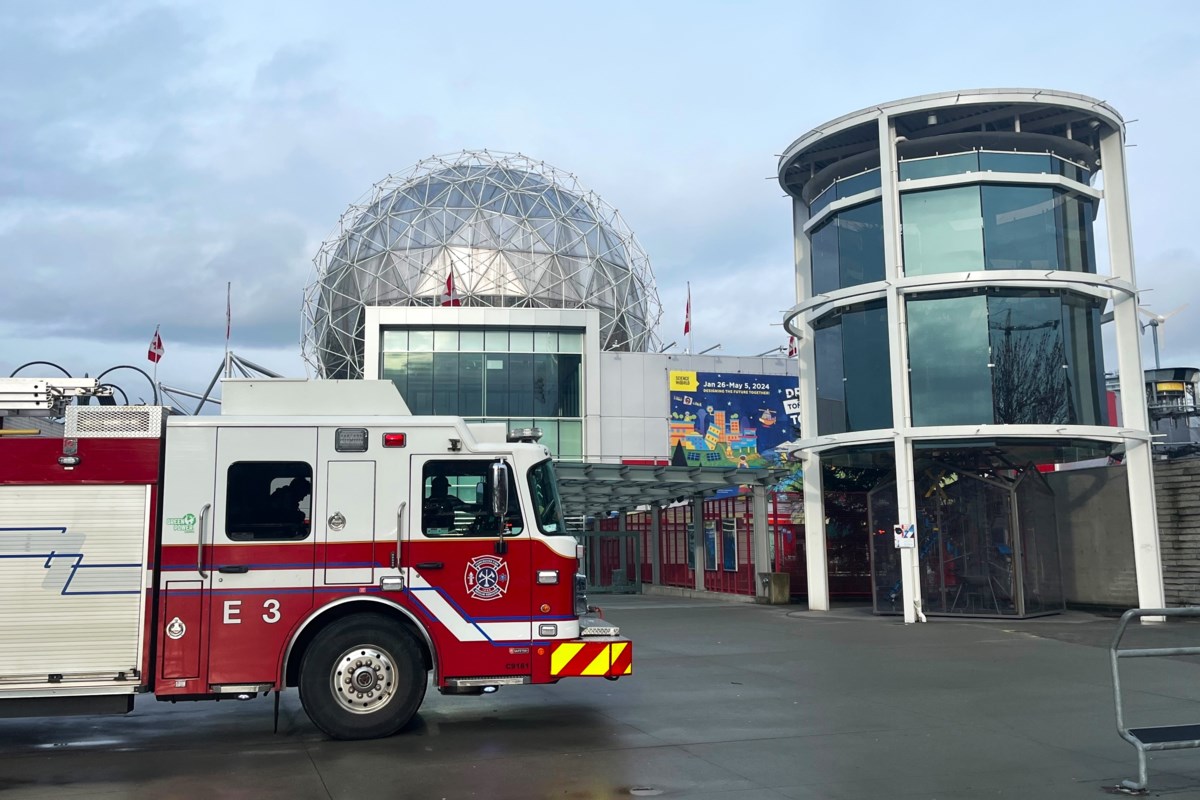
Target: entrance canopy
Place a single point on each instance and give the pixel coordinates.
(589, 488)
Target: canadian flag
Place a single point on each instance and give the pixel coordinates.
(155, 353)
(687, 317)
(793, 350)
(450, 297)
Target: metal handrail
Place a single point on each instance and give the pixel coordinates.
(1131, 734)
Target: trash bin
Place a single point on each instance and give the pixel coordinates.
(777, 586)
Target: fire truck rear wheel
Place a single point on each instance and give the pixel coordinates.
(362, 678)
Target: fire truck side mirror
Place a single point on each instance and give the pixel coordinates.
(499, 482)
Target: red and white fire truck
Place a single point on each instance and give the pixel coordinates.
(314, 534)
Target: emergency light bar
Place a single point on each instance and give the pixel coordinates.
(524, 434)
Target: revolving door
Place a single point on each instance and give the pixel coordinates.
(987, 543)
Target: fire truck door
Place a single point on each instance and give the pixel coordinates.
(346, 520)
(261, 559)
(479, 591)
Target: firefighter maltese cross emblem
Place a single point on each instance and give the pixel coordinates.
(487, 577)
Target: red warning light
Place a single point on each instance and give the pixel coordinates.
(393, 440)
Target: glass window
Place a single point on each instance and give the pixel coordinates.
(1032, 163)
(547, 508)
(949, 377)
(420, 383)
(445, 341)
(549, 429)
(545, 385)
(268, 501)
(394, 368)
(420, 341)
(570, 342)
(942, 230)
(520, 384)
(1029, 380)
(1085, 360)
(831, 386)
(520, 341)
(395, 341)
(495, 383)
(852, 372)
(470, 385)
(456, 500)
(825, 258)
(495, 341)
(855, 184)
(1019, 230)
(936, 167)
(860, 244)
(868, 377)
(445, 383)
(1077, 244)
(570, 385)
(570, 440)
(470, 341)
(827, 196)
(545, 341)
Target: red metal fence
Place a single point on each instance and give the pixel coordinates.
(728, 546)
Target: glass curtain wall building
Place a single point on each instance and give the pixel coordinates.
(950, 304)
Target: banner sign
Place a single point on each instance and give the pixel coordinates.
(721, 419)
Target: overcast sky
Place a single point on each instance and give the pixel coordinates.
(149, 152)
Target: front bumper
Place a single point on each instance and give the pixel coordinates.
(590, 657)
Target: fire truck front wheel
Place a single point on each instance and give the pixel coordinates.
(362, 678)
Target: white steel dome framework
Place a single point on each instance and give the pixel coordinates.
(477, 229)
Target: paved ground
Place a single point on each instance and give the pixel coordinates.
(727, 701)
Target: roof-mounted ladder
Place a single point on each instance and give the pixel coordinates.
(45, 397)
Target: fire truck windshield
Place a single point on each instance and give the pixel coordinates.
(547, 507)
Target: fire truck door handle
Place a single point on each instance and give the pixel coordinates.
(430, 565)
(200, 540)
(399, 529)
(239, 569)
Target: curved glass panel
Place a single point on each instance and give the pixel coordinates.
(854, 388)
(856, 184)
(939, 166)
(845, 187)
(1034, 163)
(847, 250)
(996, 226)
(1020, 226)
(943, 231)
(1008, 357)
(1029, 381)
(948, 354)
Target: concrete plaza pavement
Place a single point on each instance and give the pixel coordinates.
(727, 700)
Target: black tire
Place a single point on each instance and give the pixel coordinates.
(378, 672)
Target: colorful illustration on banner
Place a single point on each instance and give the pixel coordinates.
(731, 419)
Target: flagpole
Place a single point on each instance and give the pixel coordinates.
(228, 290)
(691, 344)
(153, 341)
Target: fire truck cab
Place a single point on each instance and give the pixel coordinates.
(314, 534)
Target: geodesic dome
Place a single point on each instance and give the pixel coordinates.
(477, 229)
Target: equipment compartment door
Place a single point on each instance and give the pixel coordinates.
(478, 592)
(346, 521)
(71, 572)
(261, 558)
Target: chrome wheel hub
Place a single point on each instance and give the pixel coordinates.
(363, 679)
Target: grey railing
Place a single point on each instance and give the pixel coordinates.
(1153, 738)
